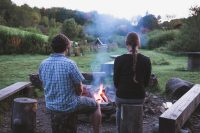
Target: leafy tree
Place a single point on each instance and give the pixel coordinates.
(71, 28)
(173, 24)
(2, 21)
(35, 18)
(5, 5)
(149, 22)
(45, 21)
(189, 37)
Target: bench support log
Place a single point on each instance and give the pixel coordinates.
(131, 120)
(175, 117)
(24, 115)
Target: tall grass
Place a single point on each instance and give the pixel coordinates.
(13, 40)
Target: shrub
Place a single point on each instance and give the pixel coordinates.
(189, 38)
(31, 29)
(160, 38)
(16, 41)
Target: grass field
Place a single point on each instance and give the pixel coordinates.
(14, 68)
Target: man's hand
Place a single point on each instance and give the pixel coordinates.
(79, 89)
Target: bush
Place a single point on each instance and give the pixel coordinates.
(160, 38)
(189, 38)
(15, 41)
(31, 29)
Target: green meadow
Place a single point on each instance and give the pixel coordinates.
(16, 68)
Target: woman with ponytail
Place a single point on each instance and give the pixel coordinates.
(131, 75)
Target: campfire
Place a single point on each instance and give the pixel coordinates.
(103, 95)
(100, 96)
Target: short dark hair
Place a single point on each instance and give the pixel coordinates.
(60, 43)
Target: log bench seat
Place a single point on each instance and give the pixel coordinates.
(172, 120)
(12, 89)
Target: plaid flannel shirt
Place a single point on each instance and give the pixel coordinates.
(59, 74)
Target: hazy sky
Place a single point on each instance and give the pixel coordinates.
(121, 8)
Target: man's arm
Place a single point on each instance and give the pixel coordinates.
(79, 88)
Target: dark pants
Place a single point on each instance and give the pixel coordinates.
(62, 122)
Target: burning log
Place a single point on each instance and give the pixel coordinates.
(100, 94)
(105, 99)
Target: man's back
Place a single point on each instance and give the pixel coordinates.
(59, 74)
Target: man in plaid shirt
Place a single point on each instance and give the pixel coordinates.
(62, 84)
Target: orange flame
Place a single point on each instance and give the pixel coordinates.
(100, 95)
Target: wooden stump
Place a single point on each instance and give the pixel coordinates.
(24, 115)
(193, 60)
(131, 120)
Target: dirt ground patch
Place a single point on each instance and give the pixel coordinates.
(151, 115)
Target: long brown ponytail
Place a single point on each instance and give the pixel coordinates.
(132, 39)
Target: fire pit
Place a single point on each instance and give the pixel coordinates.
(93, 87)
(105, 96)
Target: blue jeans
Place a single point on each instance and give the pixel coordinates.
(119, 102)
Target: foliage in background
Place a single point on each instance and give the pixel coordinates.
(13, 40)
(31, 29)
(71, 29)
(189, 38)
(117, 39)
(149, 22)
(173, 24)
(160, 38)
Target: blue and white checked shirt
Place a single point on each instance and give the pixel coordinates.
(59, 74)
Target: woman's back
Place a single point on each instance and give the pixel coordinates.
(123, 76)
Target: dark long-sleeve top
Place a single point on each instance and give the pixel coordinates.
(123, 76)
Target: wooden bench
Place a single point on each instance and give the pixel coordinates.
(172, 120)
(12, 89)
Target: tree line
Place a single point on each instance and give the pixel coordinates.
(80, 26)
(83, 24)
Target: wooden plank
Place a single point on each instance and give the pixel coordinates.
(114, 56)
(131, 120)
(174, 118)
(6, 92)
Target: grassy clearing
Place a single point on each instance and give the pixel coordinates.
(166, 66)
(17, 67)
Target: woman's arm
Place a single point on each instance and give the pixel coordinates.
(148, 72)
(116, 73)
